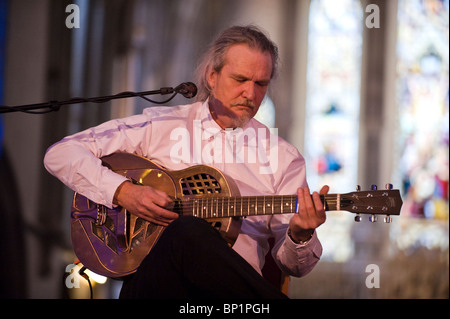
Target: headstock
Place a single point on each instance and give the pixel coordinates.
(374, 202)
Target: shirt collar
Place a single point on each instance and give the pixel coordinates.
(207, 119)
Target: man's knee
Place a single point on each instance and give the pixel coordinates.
(186, 228)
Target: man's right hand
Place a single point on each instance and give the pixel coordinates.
(145, 202)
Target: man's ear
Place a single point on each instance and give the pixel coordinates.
(211, 77)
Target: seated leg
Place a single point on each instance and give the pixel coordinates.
(192, 260)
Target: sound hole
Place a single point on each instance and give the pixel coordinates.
(200, 184)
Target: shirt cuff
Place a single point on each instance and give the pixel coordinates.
(312, 245)
(113, 181)
(302, 242)
(292, 244)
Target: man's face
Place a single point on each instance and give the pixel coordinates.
(239, 88)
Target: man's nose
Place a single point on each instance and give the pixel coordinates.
(249, 90)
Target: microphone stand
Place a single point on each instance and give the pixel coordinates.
(54, 106)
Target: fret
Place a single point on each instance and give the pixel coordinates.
(211, 208)
(253, 202)
(264, 209)
(222, 206)
(197, 208)
(199, 203)
(217, 207)
(288, 205)
(260, 205)
(203, 208)
(208, 208)
(266, 206)
(291, 206)
(332, 202)
(242, 198)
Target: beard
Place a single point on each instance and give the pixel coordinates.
(241, 121)
(248, 112)
(245, 112)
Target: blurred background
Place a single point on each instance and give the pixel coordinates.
(362, 92)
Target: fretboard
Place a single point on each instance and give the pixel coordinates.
(218, 207)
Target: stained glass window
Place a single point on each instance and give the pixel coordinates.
(333, 93)
(422, 99)
(332, 111)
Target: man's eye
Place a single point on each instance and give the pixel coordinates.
(262, 84)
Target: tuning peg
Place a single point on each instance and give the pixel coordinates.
(358, 188)
(373, 187)
(358, 218)
(373, 218)
(387, 219)
(389, 186)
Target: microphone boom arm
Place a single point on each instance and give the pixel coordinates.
(187, 89)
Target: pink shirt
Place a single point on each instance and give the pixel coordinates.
(259, 162)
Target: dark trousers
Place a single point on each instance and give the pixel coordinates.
(191, 260)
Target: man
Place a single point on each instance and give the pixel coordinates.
(189, 260)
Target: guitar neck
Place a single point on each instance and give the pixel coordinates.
(218, 207)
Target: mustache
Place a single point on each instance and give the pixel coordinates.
(245, 102)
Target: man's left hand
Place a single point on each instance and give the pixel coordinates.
(310, 215)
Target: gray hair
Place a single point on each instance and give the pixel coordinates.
(214, 57)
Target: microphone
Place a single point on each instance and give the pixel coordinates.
(187, 89)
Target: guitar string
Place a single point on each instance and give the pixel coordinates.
(249, 203)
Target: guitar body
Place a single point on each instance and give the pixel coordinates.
(113, 242)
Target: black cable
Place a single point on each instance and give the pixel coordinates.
(85, 276)
(81, 272)
(54, 106)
